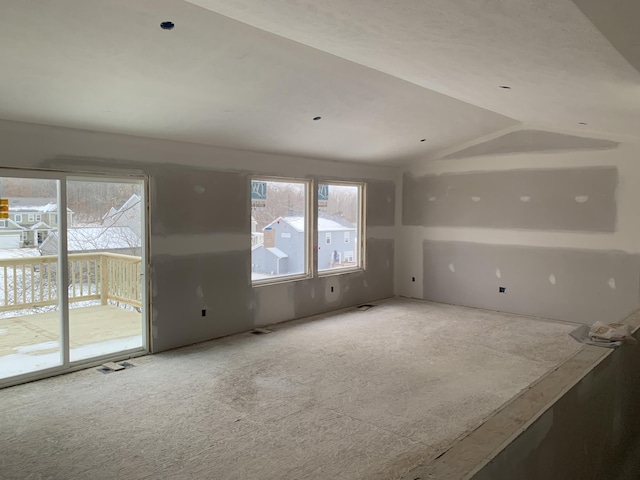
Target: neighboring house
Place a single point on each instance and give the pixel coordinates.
(282, 251)
(30, 221)
(120, 232)
(95, 239)
(128, 215)
(256, 237)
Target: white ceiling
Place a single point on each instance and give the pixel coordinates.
(252, 74)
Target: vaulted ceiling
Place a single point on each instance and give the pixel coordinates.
(383, 75)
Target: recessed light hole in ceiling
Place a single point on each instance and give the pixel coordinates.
(423, 140)
(582, 123)
(506, 87)
(167, 25)
(317, 118)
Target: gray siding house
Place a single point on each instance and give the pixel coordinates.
(30, 221)
(283, 247)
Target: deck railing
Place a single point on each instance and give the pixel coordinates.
(31, 282)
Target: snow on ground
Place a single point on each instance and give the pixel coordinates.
(24, 361)
(18, 252)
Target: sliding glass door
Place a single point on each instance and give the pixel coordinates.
(72, 265)
(104, 245)
(30, 314)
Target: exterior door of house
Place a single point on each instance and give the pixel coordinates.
(105, 238)
(72, 287)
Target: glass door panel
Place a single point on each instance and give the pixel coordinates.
(30, 316)
(105, 238)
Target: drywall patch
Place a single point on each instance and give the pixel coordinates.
(571, 199)
(560, 283)
(533, 141)
(381, 203)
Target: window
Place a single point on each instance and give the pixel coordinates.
(31, 217)
(3, 223)
(17, 218)
(38, 217)
(281, 249)
(340, 209)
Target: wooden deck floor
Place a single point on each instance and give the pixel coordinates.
(87, 325)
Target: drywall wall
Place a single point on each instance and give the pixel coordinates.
(559, 230)
(543, 199)
(525, 141)
(588, 433)
(562, 283)
(199, 243)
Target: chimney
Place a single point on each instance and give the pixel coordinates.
(269, 237)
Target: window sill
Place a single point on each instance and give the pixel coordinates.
(278, 280)
(339, 271)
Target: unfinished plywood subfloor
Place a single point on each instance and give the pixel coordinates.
(353, 395)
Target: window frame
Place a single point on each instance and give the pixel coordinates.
(309, 221)
(16, 216)
(359, 242)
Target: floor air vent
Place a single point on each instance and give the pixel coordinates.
(364, 308)
(260, 331)
(111, 367)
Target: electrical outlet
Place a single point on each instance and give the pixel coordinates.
(204, 313)
(502, 289)
(413, 279)
(331, 289)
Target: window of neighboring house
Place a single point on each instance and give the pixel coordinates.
(280, 209)
(340, 207)
(3, 223)
(38, 217)
(31, 217)
(17, 218)
(54, 217)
